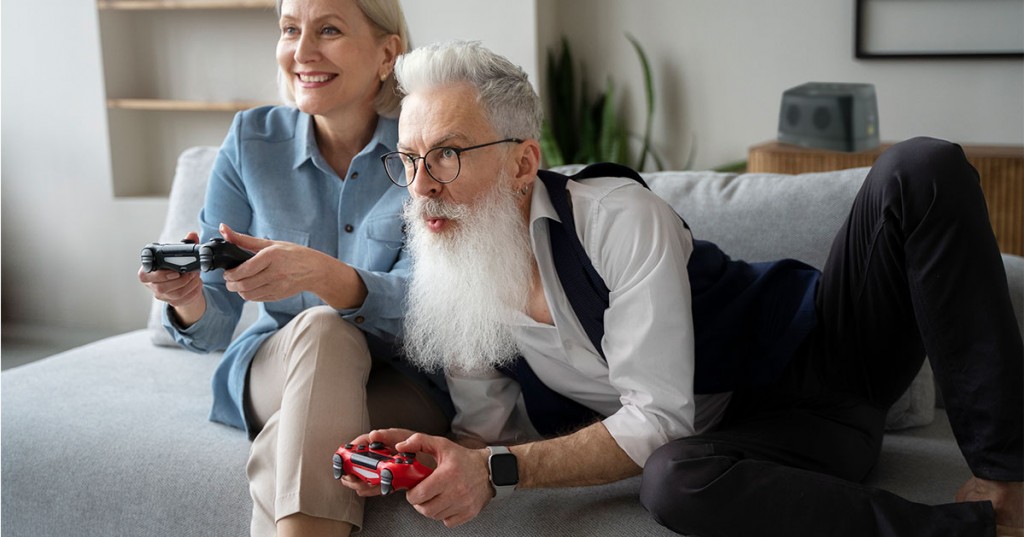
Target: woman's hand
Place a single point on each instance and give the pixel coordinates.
(184, 292)
(282, 269)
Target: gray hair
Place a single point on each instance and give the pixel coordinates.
(389, 19)
(503, 88)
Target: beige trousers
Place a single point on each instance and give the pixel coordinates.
(313, 387)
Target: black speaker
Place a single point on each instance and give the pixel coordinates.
(827, 115)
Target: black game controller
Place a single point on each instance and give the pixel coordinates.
(188, 256)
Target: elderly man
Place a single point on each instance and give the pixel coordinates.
(799, 368)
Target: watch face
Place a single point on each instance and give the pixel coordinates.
(504, 470)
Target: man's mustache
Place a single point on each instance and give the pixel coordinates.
(418, 208)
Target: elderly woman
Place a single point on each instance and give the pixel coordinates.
(303, 188)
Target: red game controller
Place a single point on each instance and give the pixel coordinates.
(377, 464)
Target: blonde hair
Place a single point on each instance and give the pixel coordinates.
(388, 18)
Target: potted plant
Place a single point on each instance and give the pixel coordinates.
(581, 130)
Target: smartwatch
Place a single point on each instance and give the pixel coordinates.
(504, 471)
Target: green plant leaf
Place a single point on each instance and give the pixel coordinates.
(549, 147)
(584, 130)
(649, 97)
(590, 132)
(561, 83)
(608, 122)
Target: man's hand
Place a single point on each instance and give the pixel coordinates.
(458, 489)
(460, 486)
(388, 437)
(1007, 499)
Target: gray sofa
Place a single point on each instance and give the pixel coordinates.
(112, 438)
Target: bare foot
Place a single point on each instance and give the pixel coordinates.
(1007, 499)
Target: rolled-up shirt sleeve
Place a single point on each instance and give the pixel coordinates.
(641, 248)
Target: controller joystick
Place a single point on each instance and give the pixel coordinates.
(187, 256)
(221, 254)
(377, 465)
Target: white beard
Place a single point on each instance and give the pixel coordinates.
(469, 283)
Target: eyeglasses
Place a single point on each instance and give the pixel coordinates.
(443, 163)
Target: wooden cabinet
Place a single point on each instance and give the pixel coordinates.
(1001, 168)
(175, 72)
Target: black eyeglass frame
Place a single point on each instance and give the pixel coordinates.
(415, 165)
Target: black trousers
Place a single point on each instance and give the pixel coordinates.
(915, 270)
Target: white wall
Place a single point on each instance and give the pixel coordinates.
(507, 27)
(721, 67)
(70, 251)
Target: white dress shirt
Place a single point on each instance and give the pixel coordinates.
(640, 248)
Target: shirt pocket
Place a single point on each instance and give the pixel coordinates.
(386, 228)
(298, 302)
(385, 237)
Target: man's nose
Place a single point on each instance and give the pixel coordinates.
(423, 185)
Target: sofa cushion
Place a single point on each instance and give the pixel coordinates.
(112, 439)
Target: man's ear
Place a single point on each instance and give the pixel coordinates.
(527, 162)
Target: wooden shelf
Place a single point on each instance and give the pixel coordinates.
(171, 83)
(1000, 167)
(175, 105)
(185, 4)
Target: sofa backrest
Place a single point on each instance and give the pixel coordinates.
(763, 217)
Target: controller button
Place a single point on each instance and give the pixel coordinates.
(349, 446)
(338, 466)
(407, 455)
(377, 445)
(361, 447)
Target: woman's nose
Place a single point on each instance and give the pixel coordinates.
(306, 49)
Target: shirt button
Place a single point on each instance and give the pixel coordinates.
(349, 228)
(359, 319)
(355, 175)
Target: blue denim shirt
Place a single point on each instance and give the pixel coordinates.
(270, 180)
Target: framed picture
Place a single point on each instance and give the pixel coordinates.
(939, 29)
